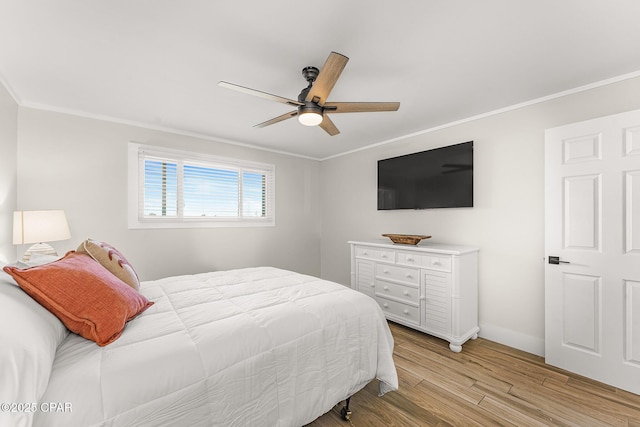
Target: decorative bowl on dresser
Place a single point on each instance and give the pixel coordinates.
(430, 287)
(406, 239)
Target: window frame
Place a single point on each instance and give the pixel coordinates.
(137, 153)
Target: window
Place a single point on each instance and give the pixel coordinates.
(171, 188)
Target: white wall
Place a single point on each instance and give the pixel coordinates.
(506, 222)
(8, 171)
(80, 165)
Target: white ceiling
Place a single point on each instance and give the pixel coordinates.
(157, 63)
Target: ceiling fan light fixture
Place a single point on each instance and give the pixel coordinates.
(310, 119)
(310, 114)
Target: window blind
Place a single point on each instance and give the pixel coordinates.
(176, 186)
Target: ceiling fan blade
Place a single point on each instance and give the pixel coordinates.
(286, 116)
(329, 126)
(327, 78)
(261, 94)
(359, 107)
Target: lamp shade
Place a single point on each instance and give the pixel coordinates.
(39, 226)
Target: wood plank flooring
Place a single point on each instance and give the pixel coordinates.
(486, 384)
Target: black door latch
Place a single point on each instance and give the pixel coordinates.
(556, 260)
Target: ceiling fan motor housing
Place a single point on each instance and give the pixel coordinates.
(309, 107)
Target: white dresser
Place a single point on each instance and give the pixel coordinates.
(429, 287)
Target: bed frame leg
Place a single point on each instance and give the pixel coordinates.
(345, 412)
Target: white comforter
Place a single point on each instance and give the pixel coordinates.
(250, 347)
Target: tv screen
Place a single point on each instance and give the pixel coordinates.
(438, 178)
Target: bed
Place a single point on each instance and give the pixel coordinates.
(248, 347)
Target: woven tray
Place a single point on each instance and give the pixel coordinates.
(406, 239)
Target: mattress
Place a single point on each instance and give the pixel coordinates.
(248, 347)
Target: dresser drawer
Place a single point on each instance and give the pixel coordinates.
(438, 262)
(412, 258)
(396, 291)
(375, 254)
(430, 261)
(397, 273)
(405, 312)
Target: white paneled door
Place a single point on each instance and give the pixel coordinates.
(592, 269)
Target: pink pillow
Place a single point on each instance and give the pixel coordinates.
(111, 259)
(87, 298)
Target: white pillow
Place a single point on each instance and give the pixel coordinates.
(29, 337)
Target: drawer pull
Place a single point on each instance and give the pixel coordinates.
(436, 263)
(365, 253)
(386, 288)
(409, 276)
(410, 259)
(385, 305)
(385, 271)
(373, 285)
(384, 255)
(405, 311)
(405, 293)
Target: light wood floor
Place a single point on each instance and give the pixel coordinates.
(486, 384)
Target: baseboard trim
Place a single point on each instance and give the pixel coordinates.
(515, 339)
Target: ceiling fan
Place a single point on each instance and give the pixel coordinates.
(312, 105)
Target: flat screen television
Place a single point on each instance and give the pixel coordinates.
(438, 178)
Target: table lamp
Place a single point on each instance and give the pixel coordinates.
(39, 227)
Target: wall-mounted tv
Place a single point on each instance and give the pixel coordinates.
(438, 178)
